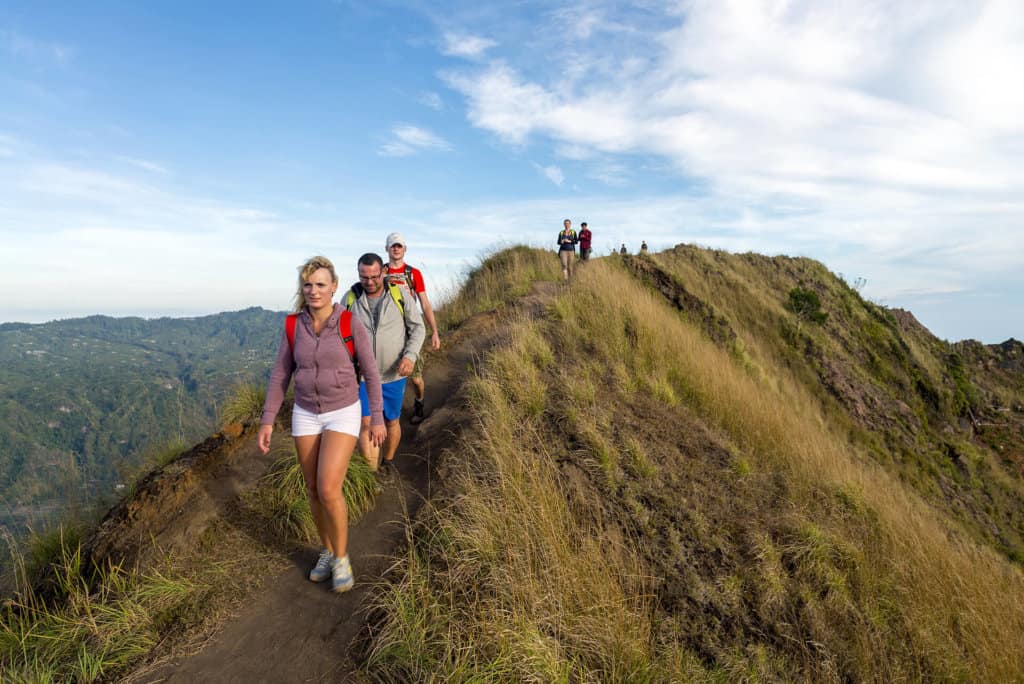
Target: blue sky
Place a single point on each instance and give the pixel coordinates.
(182, 158)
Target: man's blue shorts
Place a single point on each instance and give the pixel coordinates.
(393, 393)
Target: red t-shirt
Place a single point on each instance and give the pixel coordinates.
(398, 276)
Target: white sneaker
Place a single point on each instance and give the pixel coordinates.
(341, 574)
(322, 569)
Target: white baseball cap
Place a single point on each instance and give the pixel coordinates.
(395, 239)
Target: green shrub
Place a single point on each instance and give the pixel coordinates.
(806, 305)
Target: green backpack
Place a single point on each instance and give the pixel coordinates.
(394, 290)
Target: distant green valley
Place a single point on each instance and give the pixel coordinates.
(84, 401)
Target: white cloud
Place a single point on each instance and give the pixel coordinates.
(467, 46)
(123, 246)
(143, 164)
(975, 66)
(888, 130)
(610, 173)
(552, 173)
(432, 100)
(408, 140)
(503, 103)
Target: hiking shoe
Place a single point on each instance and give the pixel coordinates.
(322, 569)
(417, 411)
(341, 574)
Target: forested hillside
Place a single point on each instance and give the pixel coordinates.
(83, 400)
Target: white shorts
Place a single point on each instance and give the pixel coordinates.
(346, 420)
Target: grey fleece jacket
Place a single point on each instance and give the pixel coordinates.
(394, 337)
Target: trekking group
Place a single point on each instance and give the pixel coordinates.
(568, 239)
(350, 361)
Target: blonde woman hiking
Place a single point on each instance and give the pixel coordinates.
(319, 348)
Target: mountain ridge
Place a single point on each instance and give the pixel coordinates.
(732, 494)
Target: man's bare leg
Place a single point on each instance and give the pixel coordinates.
(370, 452)
(394, 437)
(417, 387)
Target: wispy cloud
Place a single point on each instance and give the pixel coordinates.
(893, 129)
(610, 173)
(7, 145)
(432, 100)
(552, 173)
(143, 164)
(24, 46)
(408, 140)
(138, 247)
(467, 46)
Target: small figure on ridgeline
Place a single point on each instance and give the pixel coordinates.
(567, 248)
(643, 247)
(585, 237)
(319, 348)
(397, 331)
(401, 273)
(622, 250)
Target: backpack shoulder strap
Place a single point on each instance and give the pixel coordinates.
(350, 297)
(345, 330)
(396, 294)
(289, 329)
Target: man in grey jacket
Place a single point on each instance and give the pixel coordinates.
(397, 331)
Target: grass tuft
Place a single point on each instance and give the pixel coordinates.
(245, 405)
(282, 500)
(98, 628)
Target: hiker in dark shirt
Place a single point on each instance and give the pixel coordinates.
(643, 247)
(567, 248)
(585, 237)
(622, 250)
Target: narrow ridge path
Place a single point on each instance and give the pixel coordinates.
(293, 630)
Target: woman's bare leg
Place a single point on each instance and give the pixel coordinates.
(335, 453)
(308, 449)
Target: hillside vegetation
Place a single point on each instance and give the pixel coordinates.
(671, 470)
(671, 477)
(84, 402)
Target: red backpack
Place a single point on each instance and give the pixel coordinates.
(344, 329)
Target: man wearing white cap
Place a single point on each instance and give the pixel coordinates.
(401, 274)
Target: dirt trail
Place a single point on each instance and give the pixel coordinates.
(293, 630)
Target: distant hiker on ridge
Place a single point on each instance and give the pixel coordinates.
(622, 250)
(585, 237)
(319, 347)
(567, 248)
(396, 328)
(401, 273)
(643, 247)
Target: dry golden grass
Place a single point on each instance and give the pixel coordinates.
(498, 280)
(517, 579)
(527, 592)
(961, 624)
